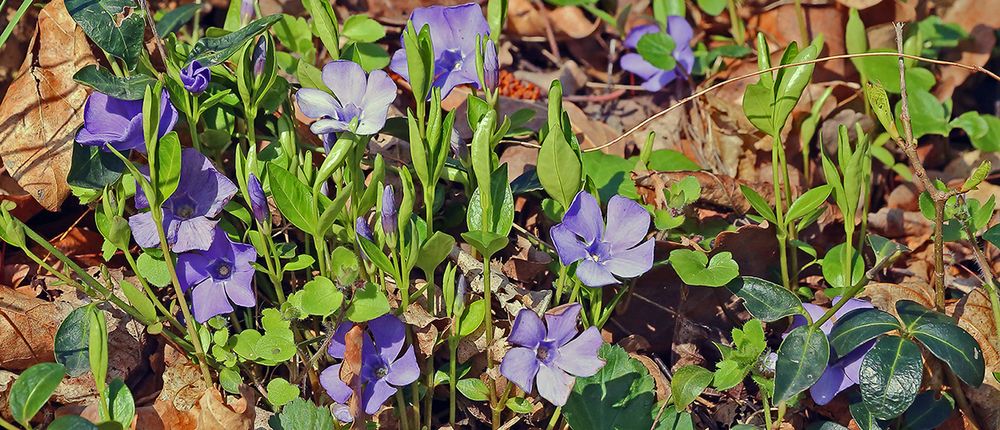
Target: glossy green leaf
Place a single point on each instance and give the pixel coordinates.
(929, 410)
(992, 235)
(31, 390)
(210, 51)
(711, 7)
(764, 299)
(176, 18)
(519, 405)
(168, 165)
(657, 49)
(321, 297)
(694, 268)
(833, 267)
(280, 392)
(472, 317)
(914, 315)
(860, 326)
(864, 417)
(293, 198)
(102, 80)
(72, 422)
(620, 396)
(93, 168)
(362, 29)
(377, 257)
(885, 249)
(559, 170)
(367, 304)
(501, 220)
(485, 242)
(302, 414)
(473, 389)
(274, 347)
(153, 269)
(802, 358)
(808, 202)
(325, 23)
(116, 26)
(956, 348)
(890, 376)
(688, 383)
(434, 251)
(121, 404)
(72, 340)
(98, 346)
(758, 203)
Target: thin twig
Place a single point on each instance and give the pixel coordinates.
(152, 27)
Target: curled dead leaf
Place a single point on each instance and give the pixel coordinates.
(43, 108)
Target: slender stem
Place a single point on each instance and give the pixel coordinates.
(3, 423)
(781, 412)
(488, 295)
(452, 373)
(779, 211)
(989, 279)
(193, 119)
(500, 405)
(429, 396)
(554, 419)
(560, 284)
(404, 421)
(196, 27)
(939, 255)
(149, 291)
(429, 196)
(768, 424)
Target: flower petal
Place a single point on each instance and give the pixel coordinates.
(405, 370)
(375, 394)
(628, 223)
(679, 30)
(561, 323)
(194, 234)
(634, 63)
(594, 274)
(632, 262)
(144, 230)
(239, 289)
(831, 383)
(337, 341)
(568, 245)
(584, 217)
(579, 356)
(398, 64)
(637, 32)
(660, 80)
(554, 385)
(528, 330)
(520, 366)
(347, 80)
(335, 387)
(316, 104)
(192, 268)
(208, 300)
(389, 334)
(325, 126)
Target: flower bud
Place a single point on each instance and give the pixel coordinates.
(195, 77)
(258, 201)
(390, 213)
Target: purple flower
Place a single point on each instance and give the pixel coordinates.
(363, 230)
(842, 372)
(491, 65)
(453, 31)
(116, 122)
(188, 215)
(259, 57)
(390, 213)
(246, 11)
(258, 201)
(550, 353)
(656, 78)
(195, 77)
(360, 97)
(218, 276)
(604, 253)
(383, 369)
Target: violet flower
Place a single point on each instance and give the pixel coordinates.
(550, 353)
(656, 78)
(360, 97)
(118, 123)
(453, 31)
(363, 230)
(383, 369)
(189, 214)
(390, 213)
(259, 57)
(258, 201)
(842, 372)
(218, 276)
(491, 65)
(195, 77)
(246, 11)
(604, 253)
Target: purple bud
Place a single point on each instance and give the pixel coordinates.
(361, 226)
(258, 201)
(491, 66)
(459, 148)
(459, 305)
(246, 11)
(259, 57)
(195, 77)
(390, 213)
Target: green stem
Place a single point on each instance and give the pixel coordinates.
(500, 405)
(6, 425)
(193, 117)
(560, 284)
(768, 424)
(149, 291)
(196, 23)
(452, 373)
(404, 421)
(554, 419)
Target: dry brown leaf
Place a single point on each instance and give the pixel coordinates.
(859, 4)
(527, 19)
(27, 329)
(216, 413)
(975, 315)
(716, 190)
(43, 108)
(884, 295)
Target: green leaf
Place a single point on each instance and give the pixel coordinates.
(116, 26)
(72, 422)
(802, 358)
(302, 414)
(864, 418)
(915, 315)
(321, 297)
(375, 254)
(668, 160)
(890, 376)
(176, 18)
(485, 242)
(434, 251)
(619, 396)
(989, 141)
(138, 300)
(280, 392)
(808, 202)
(168, 165)
(929, 410)
(210, 51)
(299, 262)
(363, 29)
(560, 170)
(856, 40)
(956, 348)
(764, 299)
(833, 267)
(610, 174)
(93, 168)
(230, 380)
(31, 390)
(688, 383)
(993, 235)
(758, 99)
(502, 198)
(694, 268)
(370, 56)
(472, 317)
(102, 80)
(98, 346)
(520, 405)
(927, 114)
(325, 25)
(791, 82)
(122, 405)
(71, 342)
(274, 347)
(860, 326)
(153, 269)
(712, 7)
(473, 389)
(670, 419)
(368, 303)
(758, 203)
(657, 49)
(885, 249)
(293, 198)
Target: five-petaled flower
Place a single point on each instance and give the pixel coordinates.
(189, 215)
(550, 354)
(195, 77)
(218, 276)
(453, 30)
(604, 253)
(842, 372)
(383, 368)
(655, 78)
(359, 97)
(118, 123)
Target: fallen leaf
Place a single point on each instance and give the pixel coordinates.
(975, 315)
(43, 108)
(27, 329)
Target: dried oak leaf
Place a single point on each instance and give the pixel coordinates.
(27, 329)
(43, 108)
